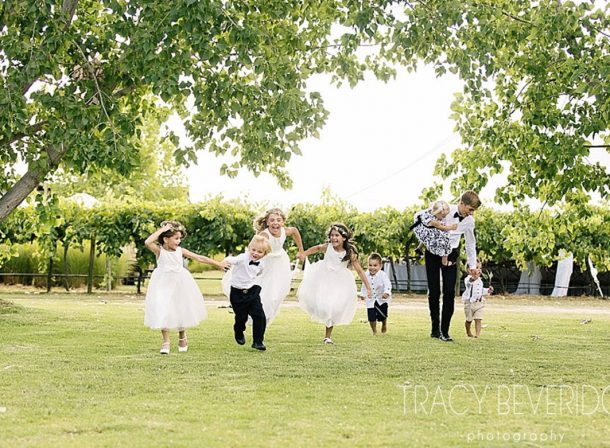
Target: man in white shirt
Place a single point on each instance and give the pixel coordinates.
(462, 215)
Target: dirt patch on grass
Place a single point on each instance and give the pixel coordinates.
(8, 307)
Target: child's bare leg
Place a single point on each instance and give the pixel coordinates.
(182, 338)
(373, 326)
(384, 326)
(477, 328)
(468, 332)
(165, 334)
(165, 346)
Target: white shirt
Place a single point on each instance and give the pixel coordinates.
(466, 228)
(243, 273)
(474, 290)
(380, 284)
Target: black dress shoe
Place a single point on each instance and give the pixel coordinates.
(240, 338)
(435, 335)
(446, 338)
(259, 346)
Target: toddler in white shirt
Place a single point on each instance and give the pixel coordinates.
(377, 305)
(474, 301)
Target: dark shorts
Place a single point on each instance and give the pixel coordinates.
(378, 312)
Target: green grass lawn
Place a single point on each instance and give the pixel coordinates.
(83, 371)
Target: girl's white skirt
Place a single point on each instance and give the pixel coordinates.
(275, 283)
(173, 301)
(328, 295)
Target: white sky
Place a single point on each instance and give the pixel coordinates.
(378, 147)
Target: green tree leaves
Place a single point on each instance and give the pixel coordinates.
(78, 78)
(535, 92)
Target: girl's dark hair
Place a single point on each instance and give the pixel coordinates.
(349, 247)
(177, 227)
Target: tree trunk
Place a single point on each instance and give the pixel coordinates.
(50, 274)
(140, 278)
(19, 192)
(30, 180)
(408, 266)
(91, 262)
(409, 272)
(394, 274)
(108, 274)
(66, 282)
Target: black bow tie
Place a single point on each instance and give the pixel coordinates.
(255, 263)
(458, 216)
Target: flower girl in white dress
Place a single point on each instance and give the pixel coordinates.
(277, 277)
(173, 299)
(328, 290)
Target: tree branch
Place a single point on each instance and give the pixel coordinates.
(18, 136)
(599, 31)
(518, 19)
(28, 182)
(92, 73)
(68, 8)
(36, 127)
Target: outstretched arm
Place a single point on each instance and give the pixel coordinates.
(314, 249)
(151, 241)
(222, 265)
(362, 275)
(296, 235)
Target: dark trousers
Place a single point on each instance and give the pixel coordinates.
(434, 271)
(248, 302)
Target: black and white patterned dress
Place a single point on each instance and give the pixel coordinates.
(436, 240)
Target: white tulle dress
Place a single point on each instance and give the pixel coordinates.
(328, 290)
(276, 277)
(173, 299)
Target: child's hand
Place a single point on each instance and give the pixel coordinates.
(385, 295)
(453, 227)
(369, 293)
(491, 289)
(166, 227)
(224, 265)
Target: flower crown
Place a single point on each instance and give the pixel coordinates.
(344, 233)
(176, 226)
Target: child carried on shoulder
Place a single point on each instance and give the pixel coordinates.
(432, 233)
